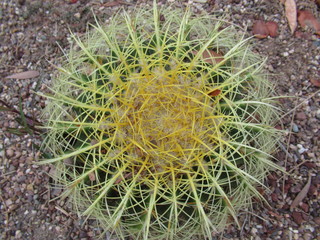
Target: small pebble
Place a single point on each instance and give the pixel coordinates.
(307, 236)
(18, 154)
(318, 114)
(77, 15)
(301, 149)
(295, 128)
(311, 155)
(9, 152)
(316, 43)
(254, 231)
(8, 202)
(18, 234)
(310, 228)
(317, 220)
(301, 116)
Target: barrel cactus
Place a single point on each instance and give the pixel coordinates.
(160, 124)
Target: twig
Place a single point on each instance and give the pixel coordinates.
(32, 119)
(6, 209)
(64, 212)
(287, 153)
(294, 109)
(11, 109)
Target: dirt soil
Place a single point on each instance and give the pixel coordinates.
(33, 34)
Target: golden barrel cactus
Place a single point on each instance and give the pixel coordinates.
(160, 124)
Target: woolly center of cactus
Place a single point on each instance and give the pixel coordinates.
(167, 117)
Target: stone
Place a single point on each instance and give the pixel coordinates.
(18, 154)
(301, 116)
(307, 236)
(295, 128)
(318, 114)
(254, 231)
(304, 207)
(18, 234)
(297, 217)
(77, 15)
(9, 152)
(8, 202)
(317, 220)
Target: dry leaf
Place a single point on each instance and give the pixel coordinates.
(214, 93)
(260, 29)
(210, 56)
(315, 82)
(306, 18)
(301, 194)
(111, 4)
(291, 14)
(24, 75)
(272, 28)
(115, 3)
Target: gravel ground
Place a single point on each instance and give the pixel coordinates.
(31, 32)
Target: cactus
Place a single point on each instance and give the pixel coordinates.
(161, 125)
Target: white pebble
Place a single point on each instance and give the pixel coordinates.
(301, 149)
(254, 231)
(18, 234)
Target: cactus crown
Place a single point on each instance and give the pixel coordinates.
(161, 124)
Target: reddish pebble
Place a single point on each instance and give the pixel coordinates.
(297, 217)
(317, 220)
(301, 116)
(304, 207)
(315, 82)
(274, 197)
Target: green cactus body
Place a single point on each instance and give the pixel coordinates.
(161, 125)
